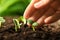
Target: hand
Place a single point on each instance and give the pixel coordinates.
(43, 11)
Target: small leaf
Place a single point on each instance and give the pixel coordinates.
(35, 24)
(2, 20)
(30, 21)
(21, 18)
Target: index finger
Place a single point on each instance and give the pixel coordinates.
(30, 9)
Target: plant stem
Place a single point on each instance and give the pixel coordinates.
(33, 28)
(17, 25)
(0, 24)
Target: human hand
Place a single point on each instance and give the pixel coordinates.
(43, 11)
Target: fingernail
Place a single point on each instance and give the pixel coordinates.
(36, 5)
(46, 20)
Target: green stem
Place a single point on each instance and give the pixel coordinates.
(0, 24)
(33, 28)
(17, 25)
(35, 24)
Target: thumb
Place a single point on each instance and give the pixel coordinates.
(41, 3)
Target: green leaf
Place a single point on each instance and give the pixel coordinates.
(30, 21)
(35, 24)
(2, 20)
(21, 18)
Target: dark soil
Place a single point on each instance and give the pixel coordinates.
(46, 32)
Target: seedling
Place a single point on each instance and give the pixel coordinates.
(17, 25)
(2, 20)
(21, 18)
(30, 21)
(35, 24)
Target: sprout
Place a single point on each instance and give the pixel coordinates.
(35, 24)
(2, 20)
(21, 18)
(17, 25)
(16, 22)
(30, 21)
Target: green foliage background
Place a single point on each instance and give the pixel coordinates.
(13, 7)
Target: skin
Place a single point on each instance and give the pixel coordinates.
(43, 11)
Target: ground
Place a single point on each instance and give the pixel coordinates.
(45, 32)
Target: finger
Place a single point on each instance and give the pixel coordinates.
(53, 18)
(55, 5)
(38, 14)
(41, 3)
(34, 17)
(48, 13)
(30, 9)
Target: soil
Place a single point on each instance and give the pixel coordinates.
(45, 32)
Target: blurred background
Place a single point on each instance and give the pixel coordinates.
(13, 7)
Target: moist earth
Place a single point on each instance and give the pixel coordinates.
(45, 32)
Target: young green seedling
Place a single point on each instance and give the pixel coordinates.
(35, 24)
(2, 20)
(30, 21)
(17, 25)
(21, 18)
